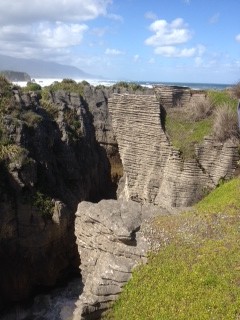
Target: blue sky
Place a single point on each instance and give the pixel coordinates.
(145, 40)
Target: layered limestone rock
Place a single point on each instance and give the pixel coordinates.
(110, 244)
(176, 96)
(154, 171)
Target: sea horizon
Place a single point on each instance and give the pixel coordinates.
(43, 82)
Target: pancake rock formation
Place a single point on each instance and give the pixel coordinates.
(154, 171)
(177, 96)
(110, 245)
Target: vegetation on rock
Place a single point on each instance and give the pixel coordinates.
(128, 85)
(32, 86)
(44, 204)
(195, 273)
(68, 85)
(215, 116)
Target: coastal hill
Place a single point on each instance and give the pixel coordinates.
(15, 75)
(42, 69)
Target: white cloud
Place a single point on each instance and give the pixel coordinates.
(43, 36)
(136, 57)
(23, 12)
(238, 37)
(198, 61)
(116, 17)
(150, 15)
(44, 28)
(171, 51)
(151, 60)
(113, 52)
(61, 35)
(170, 39)
(215, 18)
(165, 34)
(99, 31)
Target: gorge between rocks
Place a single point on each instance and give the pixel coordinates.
(81, 174)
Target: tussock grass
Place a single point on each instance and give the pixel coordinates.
(236, 90)
(196, 272)
(200, 109)
(225, 124)
(214, 116)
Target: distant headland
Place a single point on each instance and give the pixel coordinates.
(15, 75)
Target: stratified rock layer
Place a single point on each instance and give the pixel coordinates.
(110, 245)
(176, 96)
(153, 170)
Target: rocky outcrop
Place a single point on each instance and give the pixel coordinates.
(110, 244)
(56, 150)
(176, 96)
(50, 160)
(154, 171)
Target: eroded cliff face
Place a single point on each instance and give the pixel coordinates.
(50, 160)
(154, 171)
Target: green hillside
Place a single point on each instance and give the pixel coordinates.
(196, 273)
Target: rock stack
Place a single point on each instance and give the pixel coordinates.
(154, 171)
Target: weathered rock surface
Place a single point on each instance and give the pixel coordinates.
(110, 244)
(154, 171)
(176, 96)
(49, 160)
(62, 150)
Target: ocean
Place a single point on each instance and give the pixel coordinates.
(106, 82)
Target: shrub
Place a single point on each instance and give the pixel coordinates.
(225, 124)
(44, 204)
(236, 90)
(200, 109)
(128, 85)
(31, 86)
(5, 86)
(31, 118)
(68, 85)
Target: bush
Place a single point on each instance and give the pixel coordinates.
(128, 85)
(31, 86)
(236, 90)
(225, 124)
(200, 109)
(44, 204)
(68, 85)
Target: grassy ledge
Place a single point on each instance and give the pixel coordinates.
(196, 272)
(188, 126)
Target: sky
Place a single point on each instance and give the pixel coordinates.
(137, 40)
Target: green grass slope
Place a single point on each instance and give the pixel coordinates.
(196, 273)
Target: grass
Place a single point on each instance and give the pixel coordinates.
(185, 133)
(185, 130)
(223, 199)
(196, 272)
